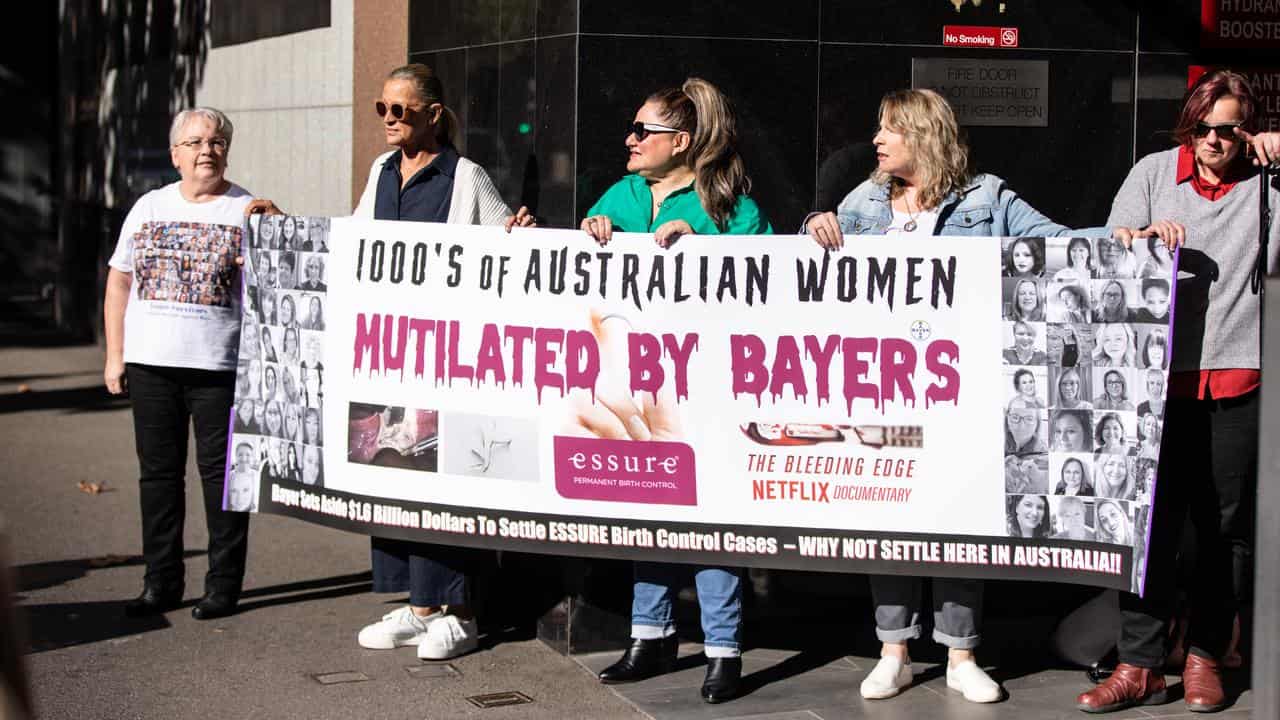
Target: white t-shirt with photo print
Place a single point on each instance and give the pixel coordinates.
(184, 302)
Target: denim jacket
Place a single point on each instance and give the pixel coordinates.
(986, 207)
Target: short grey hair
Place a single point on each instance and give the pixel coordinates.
(221, 123)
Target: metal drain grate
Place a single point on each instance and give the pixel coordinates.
(333, 678)
(502, 699)
(433, 670)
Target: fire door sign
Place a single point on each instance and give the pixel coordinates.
(983, 36)
(988, 91)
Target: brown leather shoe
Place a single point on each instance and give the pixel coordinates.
(1129, 685)
(1202, 685)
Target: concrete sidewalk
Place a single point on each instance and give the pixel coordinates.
(307, 593)
(292, 654)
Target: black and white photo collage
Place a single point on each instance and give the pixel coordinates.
(280, 375)
(1086, 358)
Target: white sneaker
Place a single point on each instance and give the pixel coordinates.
(448, 637)
(396, 629)
(888, 678)
(974, 682)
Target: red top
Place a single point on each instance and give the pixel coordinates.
(1204, 384)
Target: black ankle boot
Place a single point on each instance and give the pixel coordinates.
(644, 659)
(215, 605)
(723, 674)
(154, 600)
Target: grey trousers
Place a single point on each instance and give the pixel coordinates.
(957, 609)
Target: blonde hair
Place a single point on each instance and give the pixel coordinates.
(430, 90)
(1103, 487)
(1125, 534)
(929, 129)
(1100, 357)
(700, 109)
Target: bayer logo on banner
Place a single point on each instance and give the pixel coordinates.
(921, 330)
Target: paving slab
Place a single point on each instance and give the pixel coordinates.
(291, 652)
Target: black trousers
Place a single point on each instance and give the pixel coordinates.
(166, 402)
(1208, 474)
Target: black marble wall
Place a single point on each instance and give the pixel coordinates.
(545, 87)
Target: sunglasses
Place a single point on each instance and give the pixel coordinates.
(643, 130)
(1225, 131)
(398, 111)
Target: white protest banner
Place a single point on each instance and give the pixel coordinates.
(977, 407)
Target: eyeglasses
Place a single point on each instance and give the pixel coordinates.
(643, 130)
(218, 145)
(1225, 131)
(1015, 419)
(398, 111)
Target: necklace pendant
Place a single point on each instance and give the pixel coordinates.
(910, 226)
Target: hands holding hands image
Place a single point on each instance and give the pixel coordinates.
(614, 414)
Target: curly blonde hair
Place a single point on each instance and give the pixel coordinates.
(928, 126)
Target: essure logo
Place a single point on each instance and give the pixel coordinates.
(629, 463)
(634, 471)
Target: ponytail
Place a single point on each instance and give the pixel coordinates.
(447, 128)
(699, 108)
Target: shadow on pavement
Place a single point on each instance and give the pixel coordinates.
(38, 576)
(306, 590)
(61, 625)
(797, 664)
(93, 398)
(31, 377)
(54, 626)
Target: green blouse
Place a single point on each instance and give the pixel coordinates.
(629, 202)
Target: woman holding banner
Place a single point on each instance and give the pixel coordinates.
(686, 178)
(179, 364)
(424, 179)
(686, 175)
(1210, 185)
(924, 186)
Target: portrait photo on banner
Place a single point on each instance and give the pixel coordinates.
(277, 426)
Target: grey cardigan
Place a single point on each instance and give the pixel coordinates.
(1215, 307)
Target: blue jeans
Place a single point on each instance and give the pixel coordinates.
(719, 598)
